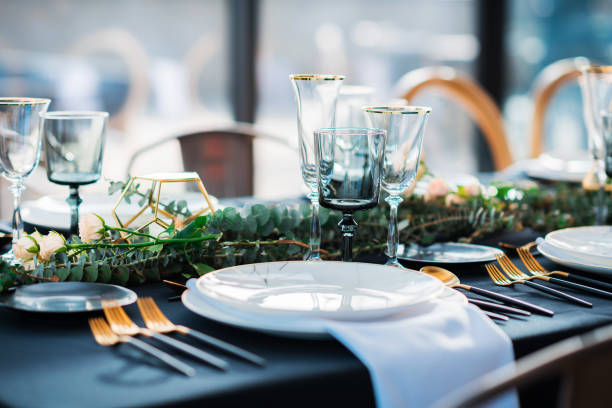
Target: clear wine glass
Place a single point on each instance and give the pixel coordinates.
(20, 145)
(350, 162)
(316, 96)
(596, 86)
(74, 143)
(607, 133)
(405, 127)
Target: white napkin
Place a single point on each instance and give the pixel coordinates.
(417, 360)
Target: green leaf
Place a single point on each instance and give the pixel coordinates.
(62, 273)
(104, 273)
(91, 273)
(202, 269)
(250, 225)
(275, 215)
(121, 275)
(285, 225)
(261, 214)
(76, 273)
(152, 273)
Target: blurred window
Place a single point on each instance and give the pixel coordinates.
(540, 33)
(159, 67)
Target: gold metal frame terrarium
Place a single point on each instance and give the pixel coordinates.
(160, 216)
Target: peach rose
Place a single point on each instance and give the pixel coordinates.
(91, 228)
(437, 188)
(26, 247)
(453, 199)
(50, 244)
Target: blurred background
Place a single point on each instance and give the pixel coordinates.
(165, 68)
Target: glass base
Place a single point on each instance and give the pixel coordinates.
(395, 263)
(312, 256)
(10, 258)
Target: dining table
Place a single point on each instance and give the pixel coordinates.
(52, 360)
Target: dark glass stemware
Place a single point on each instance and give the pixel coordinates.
(74, 143)
(350, 162)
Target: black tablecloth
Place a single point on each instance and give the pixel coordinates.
(53, 361)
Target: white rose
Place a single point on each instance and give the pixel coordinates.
(50, 244)
(437, 188)
(26, 247)
(91, 228)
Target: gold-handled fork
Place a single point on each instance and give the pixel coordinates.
(106, 337)
(535, 268)
(517, 275)
(156, 321)
(122, 325)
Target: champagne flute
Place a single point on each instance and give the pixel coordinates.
(74, 143)
(596, 86)
(20, 145)
(405, 126)
(316, 96)
(350, 162)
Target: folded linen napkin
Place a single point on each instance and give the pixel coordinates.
(416, 361)
(419, 356)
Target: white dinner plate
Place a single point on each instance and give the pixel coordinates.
(448, 253)
(66, 297)
(590, 245)
(53, 212)
(565, 168)
(328, 289)
(305, 328)
(573, 263)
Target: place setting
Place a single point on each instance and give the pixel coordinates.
(331, 269)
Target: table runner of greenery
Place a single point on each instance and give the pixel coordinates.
(259, 233)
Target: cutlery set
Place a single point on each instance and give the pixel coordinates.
(119, 328)
(513, 275)
(510, 275)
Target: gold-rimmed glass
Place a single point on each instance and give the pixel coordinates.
(596, 86)
(20, 146)
(405, 127)
(316, 96)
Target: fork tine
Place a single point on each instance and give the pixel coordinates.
(535, 265)
(509, 267)
(528, 262)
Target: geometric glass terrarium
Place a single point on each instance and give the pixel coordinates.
(156, 201)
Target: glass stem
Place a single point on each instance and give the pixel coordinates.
(601, 206)
(74, 200)
(347, 226)
(393, 236)
(17, 188)
(315, 229)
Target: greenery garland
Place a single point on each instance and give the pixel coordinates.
(259, 233)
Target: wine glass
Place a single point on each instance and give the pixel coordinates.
(350, 100)
(596, 86)
(316, 97)
(74, 143)
(405, 126)
(20, 145)
(350, 162)
(607, 128)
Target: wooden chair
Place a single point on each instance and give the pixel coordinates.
(223, 157)
(581, 362)
(471, 97)
(546, 85)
